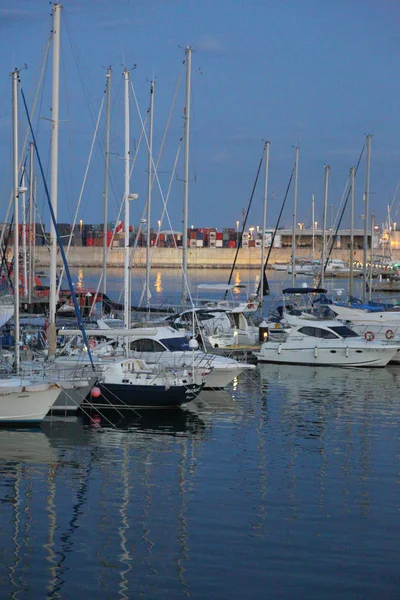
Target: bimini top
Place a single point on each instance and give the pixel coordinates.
(220, 286)
(304, 290)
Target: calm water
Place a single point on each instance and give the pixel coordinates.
(285, 486)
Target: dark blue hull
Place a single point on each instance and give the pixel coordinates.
(123, 396)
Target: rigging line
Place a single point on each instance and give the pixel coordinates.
(82, 190)
(53, 218)
(341, 216)
(245, 219)
(277, 225)
(164, 208)
(162, 196)
(27, 133)
(394, 198)
(178, 84)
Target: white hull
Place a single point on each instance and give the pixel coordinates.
(26, 403)
(354, 355)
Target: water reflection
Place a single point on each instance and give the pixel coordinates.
(261, 487)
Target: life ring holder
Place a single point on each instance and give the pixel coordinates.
(92, 344)
(369, 336)
(389, 334)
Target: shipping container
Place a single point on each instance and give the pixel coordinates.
(192, 243)
(232, 244)
(219, 235)
(212, 244)
(245, 243)
(252, 243)
(218, 243)
(258, 243)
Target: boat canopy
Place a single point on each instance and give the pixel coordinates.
(221, 286)
(303, 290)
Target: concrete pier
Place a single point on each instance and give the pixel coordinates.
(198, 258)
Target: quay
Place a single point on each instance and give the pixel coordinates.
(198, 258)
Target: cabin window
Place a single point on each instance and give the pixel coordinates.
(344, 331)
(145, 345)
(318, 333)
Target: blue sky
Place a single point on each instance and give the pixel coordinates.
(315, 74)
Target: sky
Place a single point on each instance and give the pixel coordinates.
(318, 75)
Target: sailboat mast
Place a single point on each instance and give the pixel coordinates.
(106, 178)
(16, 219)
(264, 223)
(313, 226)
(296, 175)
(24, 258)
(371, 256)
(352, 181)
(54, 161)
(366, 209)
(188, 54)
(31, 231)
(323, 255)
(149, 186)
(127, 304)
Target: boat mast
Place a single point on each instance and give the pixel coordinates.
(296, 175)
(106, 179)
(16, 220)
(264, 224)
(313, 225)
(126, 205)
(24, 258)
(366, 209)
(327, 169)
(149, 186)
(352, 180)
(188, 55)
(31, 232)
(371, 255)
(54, 169)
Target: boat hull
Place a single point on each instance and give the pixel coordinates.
(26, 405)
(122, 396)
(328, 356)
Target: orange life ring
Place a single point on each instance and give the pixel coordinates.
(369, 336)
(92, 343)
(389, 334)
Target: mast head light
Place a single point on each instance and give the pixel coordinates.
(22, 190)
(133, 196)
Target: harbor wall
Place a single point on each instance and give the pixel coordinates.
(198, 258)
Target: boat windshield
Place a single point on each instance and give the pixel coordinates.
(175, 344)
(344, 332)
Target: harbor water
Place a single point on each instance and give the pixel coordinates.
(285, 485)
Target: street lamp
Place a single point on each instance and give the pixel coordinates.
(237, 234)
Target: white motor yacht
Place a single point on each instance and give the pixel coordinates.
(317, 342)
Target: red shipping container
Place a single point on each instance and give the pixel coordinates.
(252, 243)
(232, 244)
(219, 235)
(89, 242)
(161, 237)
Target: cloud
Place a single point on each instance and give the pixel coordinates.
(211, 44)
